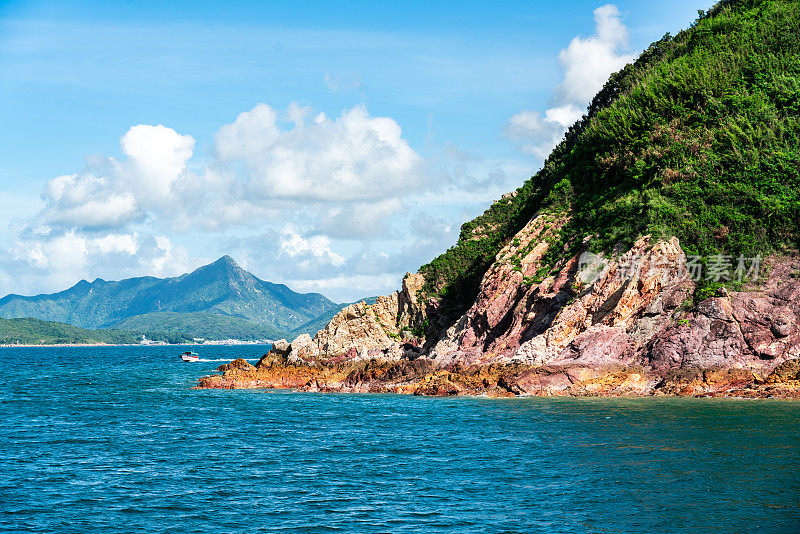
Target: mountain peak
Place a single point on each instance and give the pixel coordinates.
(224, 268)
(226, 262)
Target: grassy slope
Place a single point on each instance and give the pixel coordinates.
(699, 138)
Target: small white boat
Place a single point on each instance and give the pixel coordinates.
(189, 356)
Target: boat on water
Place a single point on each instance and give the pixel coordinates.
(190, 356)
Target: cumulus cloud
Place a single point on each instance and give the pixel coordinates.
(347, 174)
(64, 252)
(253, 132)
(71, 250)
(354, 157)
(88, 201)
(157, 157)
(301, 250)
(159, 257)
(122, 243)
(112, 193)
(586, 65)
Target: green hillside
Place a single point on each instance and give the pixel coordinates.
(699, 139)
(37, 332)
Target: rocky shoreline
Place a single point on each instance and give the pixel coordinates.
(420, 377)
(627, 325)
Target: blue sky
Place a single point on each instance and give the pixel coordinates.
(430, 110)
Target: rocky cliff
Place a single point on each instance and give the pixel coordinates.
(623, 325)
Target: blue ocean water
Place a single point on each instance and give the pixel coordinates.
(112, 439)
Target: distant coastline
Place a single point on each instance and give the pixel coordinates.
(29, 345)
(63, 345)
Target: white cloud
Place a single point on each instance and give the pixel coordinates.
(157, 156)
(563, 116)
(125, 243)
(87, 201)
(67, 251)
(355, 157)
(110, 193)
(162, 258)
(586, 64)
(348, 175)
(53, 261)
(300, 249)
(253, 132)
(71, 250)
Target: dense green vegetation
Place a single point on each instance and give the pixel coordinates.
(200, 325)
(165, 326)
(37, 332)
(699, 139)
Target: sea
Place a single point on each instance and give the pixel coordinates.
(114, 439)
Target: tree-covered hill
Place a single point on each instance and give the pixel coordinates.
(200, 325)
(699, 139)
(38, 332)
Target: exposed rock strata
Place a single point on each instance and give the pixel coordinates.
(623, 325)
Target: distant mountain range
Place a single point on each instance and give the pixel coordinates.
(220, 300)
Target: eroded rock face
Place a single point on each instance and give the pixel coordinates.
(787, 372)
(621, 309)
(753, 329)
(239, 364)
(357, 329)
(509, 307)
(362, 331)
(276, 357)
(599, 345)
(592, 310)
(711, 338)
(769, 315)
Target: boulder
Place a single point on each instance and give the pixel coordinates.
(239, 364)
(788, 371)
